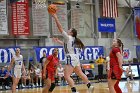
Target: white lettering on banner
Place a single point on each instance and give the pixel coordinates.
(90, 53)
(60, 55)
(87, 52)
(11, 52)
(96, 52)
(49, 52)
(107, 25)
(4, 56)
(78, 51)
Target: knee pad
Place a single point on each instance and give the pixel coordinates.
(52, 87)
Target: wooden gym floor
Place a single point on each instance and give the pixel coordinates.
(133, 87)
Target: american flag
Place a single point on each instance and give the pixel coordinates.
(110, 8)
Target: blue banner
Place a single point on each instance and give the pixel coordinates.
(90, 52)
(137, 21)
(6, 54)
(106, 25)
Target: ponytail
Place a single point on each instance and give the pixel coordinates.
(79, 43)
(122, 47)
(120, 44)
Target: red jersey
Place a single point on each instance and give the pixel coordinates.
(113, 57)
(52, 65)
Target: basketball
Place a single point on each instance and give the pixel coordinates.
(52, 9)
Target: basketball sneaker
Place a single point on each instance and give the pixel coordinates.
(89, 85)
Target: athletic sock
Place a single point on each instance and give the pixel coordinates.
(73, 89)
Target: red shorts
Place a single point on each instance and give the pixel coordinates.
(51, 75)
(115, 73)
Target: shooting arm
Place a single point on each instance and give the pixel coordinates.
(60, 28)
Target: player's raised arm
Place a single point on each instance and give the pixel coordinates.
(52, 9)
(60, 28)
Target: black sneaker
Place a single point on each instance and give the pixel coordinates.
(88, 85)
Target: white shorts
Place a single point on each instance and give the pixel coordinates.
(17, 72)
(60, 74)
(72, 59)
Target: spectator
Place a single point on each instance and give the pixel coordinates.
(4, 78)
(60, 72)
(38, 76)
(129, 73)
(27, 77)
(32, 75)
(43, 59)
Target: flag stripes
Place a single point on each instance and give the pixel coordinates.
(110, 8)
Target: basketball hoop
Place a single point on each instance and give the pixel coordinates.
(39, 4)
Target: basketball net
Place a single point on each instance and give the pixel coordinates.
(40, 4)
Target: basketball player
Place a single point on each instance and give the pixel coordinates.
(49, 71)
(116, 70)
(72, 60)
(18, 67)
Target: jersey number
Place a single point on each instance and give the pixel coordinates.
(19, 63)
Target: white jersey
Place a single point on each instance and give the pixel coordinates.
(68, 43)
(71, 58)
(60, 70)
(18, 61)
(38, 71)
